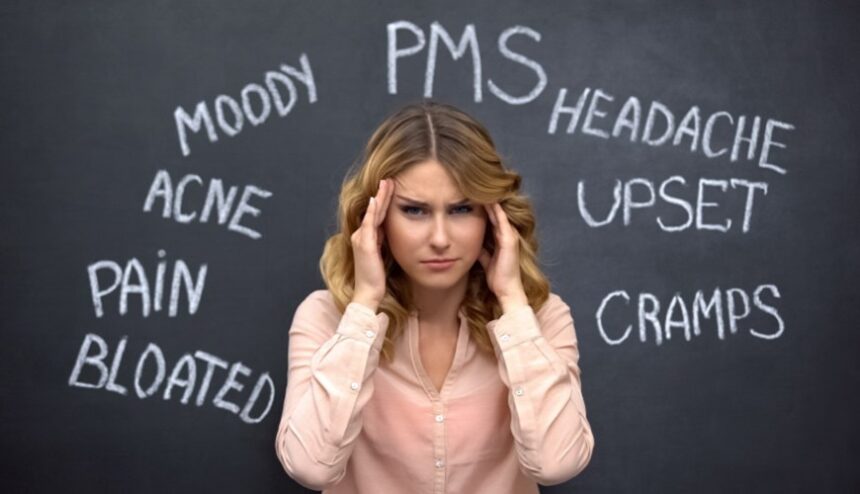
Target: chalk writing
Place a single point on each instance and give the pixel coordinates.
(731, 305)
(230, 116)
(132, 280)
(183, 377)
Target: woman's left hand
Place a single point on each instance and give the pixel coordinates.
(503, 267)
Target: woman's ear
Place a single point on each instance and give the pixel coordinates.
(489, 242)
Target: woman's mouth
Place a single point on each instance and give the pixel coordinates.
(439, 264)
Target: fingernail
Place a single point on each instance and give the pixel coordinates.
(371, 200)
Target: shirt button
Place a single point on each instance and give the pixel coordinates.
(519, 392)
(505, 337)
(369, 334)
(439, 463)
(440, 418)
(354, 386)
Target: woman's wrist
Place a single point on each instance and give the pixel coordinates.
(367, 302)
(513, 302)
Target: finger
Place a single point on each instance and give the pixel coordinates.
(370, 209)
(502, 218)
(490, 213)
(385, 200)
(389, 193)
(367, 221)
(378, 198)
(498, 233)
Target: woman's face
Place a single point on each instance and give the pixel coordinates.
(429, 218)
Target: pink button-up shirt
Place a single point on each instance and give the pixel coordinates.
(353, 423)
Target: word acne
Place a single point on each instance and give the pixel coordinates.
(224, 204)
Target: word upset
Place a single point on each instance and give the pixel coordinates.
(626, 203)
(162, 188)
(183, 377)
(256, 106)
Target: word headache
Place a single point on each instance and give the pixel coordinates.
(182, 377)
(468, 40)
(629, 118)
(140, 285)
(627, 203)
(678, 316)
(162, 187)
(265, 97)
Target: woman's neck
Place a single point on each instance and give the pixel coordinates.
(437, 309)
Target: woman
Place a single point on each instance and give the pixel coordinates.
(437, 360)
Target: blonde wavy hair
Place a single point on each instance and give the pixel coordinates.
(413, 134)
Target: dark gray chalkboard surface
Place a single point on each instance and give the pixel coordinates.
(694, 167)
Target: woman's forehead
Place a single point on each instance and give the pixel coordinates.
(428, 182)
(427, 192)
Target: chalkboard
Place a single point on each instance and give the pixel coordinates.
(170, 174)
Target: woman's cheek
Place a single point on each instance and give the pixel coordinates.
(398, 235)
(479, 234)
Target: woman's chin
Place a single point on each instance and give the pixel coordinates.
(436, 280)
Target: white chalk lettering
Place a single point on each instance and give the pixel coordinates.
(155, 351)
(185, 362)
(660, 126)
(140, 285)
(231, 116)
(106, 380)
(211, 362)
(732, 305)
(230, 384)
(628, 202)
(468, 42)
(94, 351)
(84, 358)
(172, 202)
(264, 379)
(520, 59)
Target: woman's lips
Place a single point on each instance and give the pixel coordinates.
(439, 265)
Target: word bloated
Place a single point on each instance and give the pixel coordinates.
(183, 377)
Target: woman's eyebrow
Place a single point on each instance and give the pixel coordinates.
(419, 203)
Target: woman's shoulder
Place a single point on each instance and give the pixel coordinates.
(318, 304)
(555, 312)
(316, 316)
(553, 305)
(322, 296)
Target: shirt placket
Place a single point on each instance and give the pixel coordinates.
(437, 399)
(439, 452)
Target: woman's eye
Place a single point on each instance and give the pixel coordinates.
(413, 210)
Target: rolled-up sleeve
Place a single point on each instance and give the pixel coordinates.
(329, 381)
(538, 358)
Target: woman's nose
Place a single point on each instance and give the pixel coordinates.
(440, 237)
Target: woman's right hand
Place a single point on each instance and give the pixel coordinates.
(366, 249)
